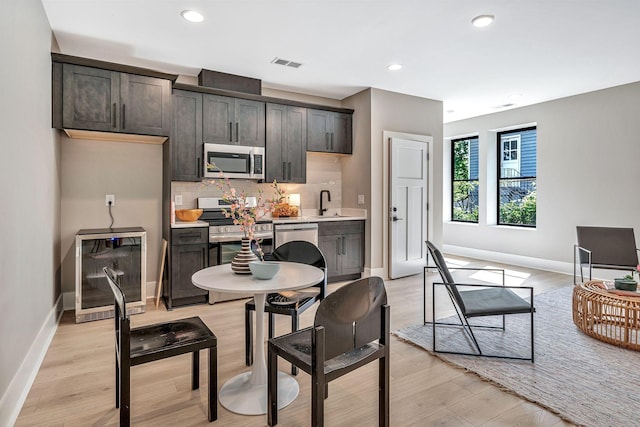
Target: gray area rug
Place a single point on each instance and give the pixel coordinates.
(583, 380)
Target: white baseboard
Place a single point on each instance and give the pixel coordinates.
(13, 399)
(523, 261)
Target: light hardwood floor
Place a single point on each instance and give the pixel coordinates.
(75, 384)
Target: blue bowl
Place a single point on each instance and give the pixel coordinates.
(264, 270)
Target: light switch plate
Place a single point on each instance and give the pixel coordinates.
(178, 199)
(361, 199)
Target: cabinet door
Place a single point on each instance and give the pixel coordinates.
(185, 261)
(341, 137)
(352, 253)
(90, 98)
(296, 144)
(276, 160)
(217, 119)
(330, 246)
(186, 136)
(249, 126)
(318, 130)
(145, 104)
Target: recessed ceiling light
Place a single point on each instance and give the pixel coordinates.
(394, 67)
(482, 20)
(192, 16)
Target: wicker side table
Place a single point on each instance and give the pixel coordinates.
(614, 319)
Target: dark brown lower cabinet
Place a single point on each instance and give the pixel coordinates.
(188, 253)
(342, 243)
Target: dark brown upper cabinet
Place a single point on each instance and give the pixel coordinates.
(286, 156)
(329, 132)
(233, 121)
(186, 136)
(97, 99)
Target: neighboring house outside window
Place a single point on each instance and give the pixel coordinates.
(517, 177)
(464, 180)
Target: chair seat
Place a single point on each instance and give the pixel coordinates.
(180, 336)
(493, 301)
(298, 346)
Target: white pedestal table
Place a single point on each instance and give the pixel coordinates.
(247, 393)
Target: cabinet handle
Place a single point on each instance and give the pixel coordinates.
(123, 116)
(198, 168)
(237, 136)
(326, 140)
(338, 245)
(332, 140)
(113, 115)
(230, 132)
(344, 249)
(284, 170)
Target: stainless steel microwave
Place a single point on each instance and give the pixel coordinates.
(235, 161)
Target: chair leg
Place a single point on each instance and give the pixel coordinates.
(383, 392)
(318, 388)
(195, 370)
(295, 324)
(125, 396)
(272, 387)
(213, 384)
(272, 325)
(248, 337)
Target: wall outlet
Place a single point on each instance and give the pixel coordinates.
(361, 199)
(178, 199)
(110, 198)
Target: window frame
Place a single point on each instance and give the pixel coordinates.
(454, 180)
(519, 178)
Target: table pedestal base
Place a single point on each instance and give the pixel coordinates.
(240, 396)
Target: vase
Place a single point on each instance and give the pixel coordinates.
(240, 263)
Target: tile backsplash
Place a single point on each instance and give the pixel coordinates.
(324, 172)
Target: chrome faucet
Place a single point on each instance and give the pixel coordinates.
(322, 211)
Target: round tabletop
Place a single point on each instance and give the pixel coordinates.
(291, 276)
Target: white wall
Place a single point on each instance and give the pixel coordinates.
(130, 171)
(30, 208)
(588, 173)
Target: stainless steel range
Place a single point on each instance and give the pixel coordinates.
(225, 238)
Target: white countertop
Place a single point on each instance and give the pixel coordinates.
(308, 215)
(189, 224)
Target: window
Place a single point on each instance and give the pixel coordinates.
(464, 179)
(517, 177)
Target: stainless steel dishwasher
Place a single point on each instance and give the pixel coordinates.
(284, 233)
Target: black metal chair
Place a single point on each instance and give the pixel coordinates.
(481, 301)
(291, 303)
(350, 329)
(159, 341)
(609, 248)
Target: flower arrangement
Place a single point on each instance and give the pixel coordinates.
(246, 211)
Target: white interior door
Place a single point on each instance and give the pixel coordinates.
(407, 206)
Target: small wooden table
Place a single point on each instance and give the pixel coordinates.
(614, 319)
(246, 393)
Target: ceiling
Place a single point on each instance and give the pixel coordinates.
(535, 50)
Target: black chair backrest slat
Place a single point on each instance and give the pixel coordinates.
(445, 274)
(351, 315)
(608, 245)
(303, 252)
(120, 300)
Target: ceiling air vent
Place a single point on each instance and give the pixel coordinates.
(286, 62)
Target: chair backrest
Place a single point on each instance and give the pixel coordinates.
(608, 245)
(303, 252)
(120, 300)
(352, 315)
(445, 274)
